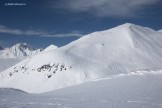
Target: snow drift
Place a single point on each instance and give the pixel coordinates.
(120, 50)
(125, 91)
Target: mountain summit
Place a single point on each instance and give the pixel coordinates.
(120, 50)
(51, 47)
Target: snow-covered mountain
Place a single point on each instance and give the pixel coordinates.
(120, 50)
(51, 47)
(19, 50)
(13, 55)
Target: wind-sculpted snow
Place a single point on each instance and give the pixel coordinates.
(121, 50)
(139, 90)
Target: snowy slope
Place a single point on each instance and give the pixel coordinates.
(51, 47)
(119, 50)
(142, 90)
(6, 63)
(138, 90)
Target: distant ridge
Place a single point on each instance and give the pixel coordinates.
(18, 50)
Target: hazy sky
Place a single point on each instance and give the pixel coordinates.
(44, 22)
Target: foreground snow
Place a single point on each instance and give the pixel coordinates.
(140, 89)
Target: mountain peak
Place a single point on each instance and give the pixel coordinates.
(22, 46)
(51, 47)
(128, 24)
(129, 27)
(19, 50)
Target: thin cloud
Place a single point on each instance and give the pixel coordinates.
(4, 29)
(64, 35)
(127, 8)
(7, 30)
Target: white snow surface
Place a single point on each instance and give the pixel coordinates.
(120, 50)
(140, 89)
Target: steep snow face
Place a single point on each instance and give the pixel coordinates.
(18, 50)
(51, 47)
(119, 50)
